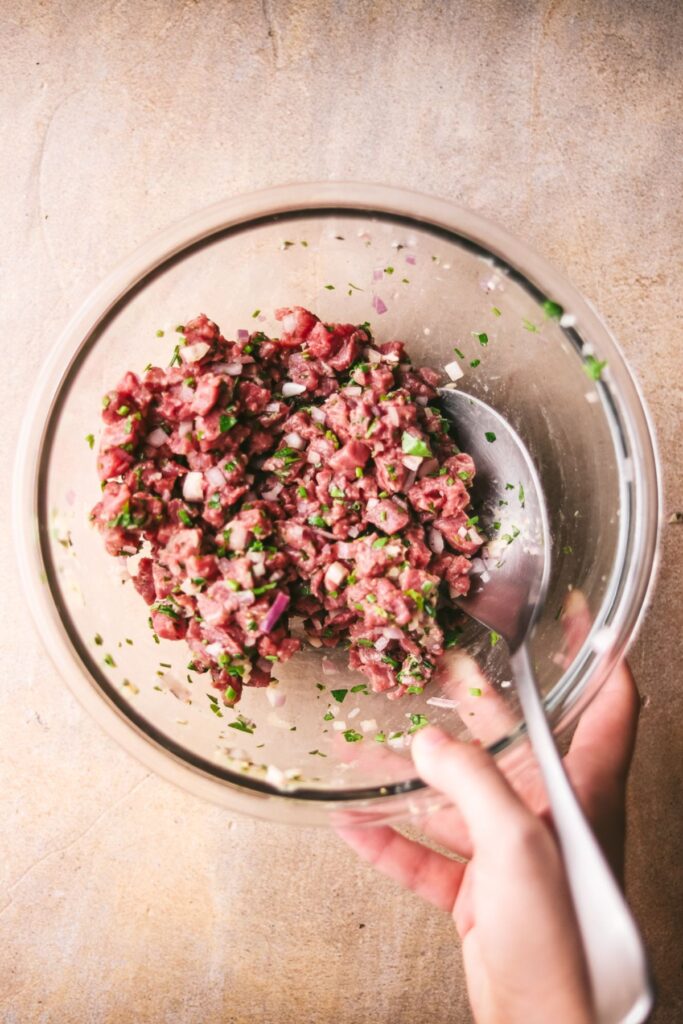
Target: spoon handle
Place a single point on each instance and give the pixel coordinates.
(615, 956)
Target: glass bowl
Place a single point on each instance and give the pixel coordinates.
(445, 277)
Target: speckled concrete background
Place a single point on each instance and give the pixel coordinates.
(123, 900)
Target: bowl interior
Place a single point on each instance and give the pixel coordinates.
(441, 292)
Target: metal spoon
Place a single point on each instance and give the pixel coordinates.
(510, 603)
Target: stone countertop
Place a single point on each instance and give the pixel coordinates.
(121, 898)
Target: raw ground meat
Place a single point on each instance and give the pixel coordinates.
(303, 476)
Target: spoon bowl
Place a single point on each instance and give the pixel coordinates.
(509, 501)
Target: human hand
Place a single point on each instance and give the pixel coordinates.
(510, 900)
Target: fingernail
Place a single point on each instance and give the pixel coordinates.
(430, 738)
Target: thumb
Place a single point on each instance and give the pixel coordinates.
(468, 776)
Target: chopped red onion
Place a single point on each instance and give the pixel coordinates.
(289, 323)
(193, 353)
(277, 608)
(239, 535)
(215, 476)
(344, 550)
(412, 461)
(353, 390)
(185, 428)
(313, 457)
(242, 334)
(156, 438)
(318, 415)
(233, 369)
(336, 573)
(410, 480)
(245, 597)
(295, 440)
(193, 487)
(271, 495)
(428, 466)
(422, 400)
(454, 370)
(382, 643)
(328, 667)
(393, 632)
(290, 389)
(273, 407)
(378, 305)
(276, 698)
(377, 274)
(411, 259)
(393, 416)
(374, 356)
(435, 541)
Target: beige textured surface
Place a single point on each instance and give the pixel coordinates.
(121, 899)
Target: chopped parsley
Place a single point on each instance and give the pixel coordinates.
(339, 695)
(593, 367)
(459, 354)
(475, 691)
(482, 337)
(108, 660)
(552, 310)
(494, 637)
(226, 423)
(184, 517)
(474, 363)
(418, 722)
(490, 436)
(242, 725)
(90, 438)
(412, 445)
(496, 311)
(351, 736)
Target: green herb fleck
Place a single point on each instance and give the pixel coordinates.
(490, 436)
(412, 445)
(90, 438)
(339, 695)
(475, 691)
(351, 736)
(552, 310)
(226, 423)
(474, 363)
(108, 660)
(494, 637)
(593, 367)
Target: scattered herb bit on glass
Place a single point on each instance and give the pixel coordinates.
(490, 436)
(552, 310)
(594, 367)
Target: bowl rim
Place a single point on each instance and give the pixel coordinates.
(630, 593)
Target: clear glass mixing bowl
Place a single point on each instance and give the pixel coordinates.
(445, 276)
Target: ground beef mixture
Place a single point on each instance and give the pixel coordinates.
(307, 476)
